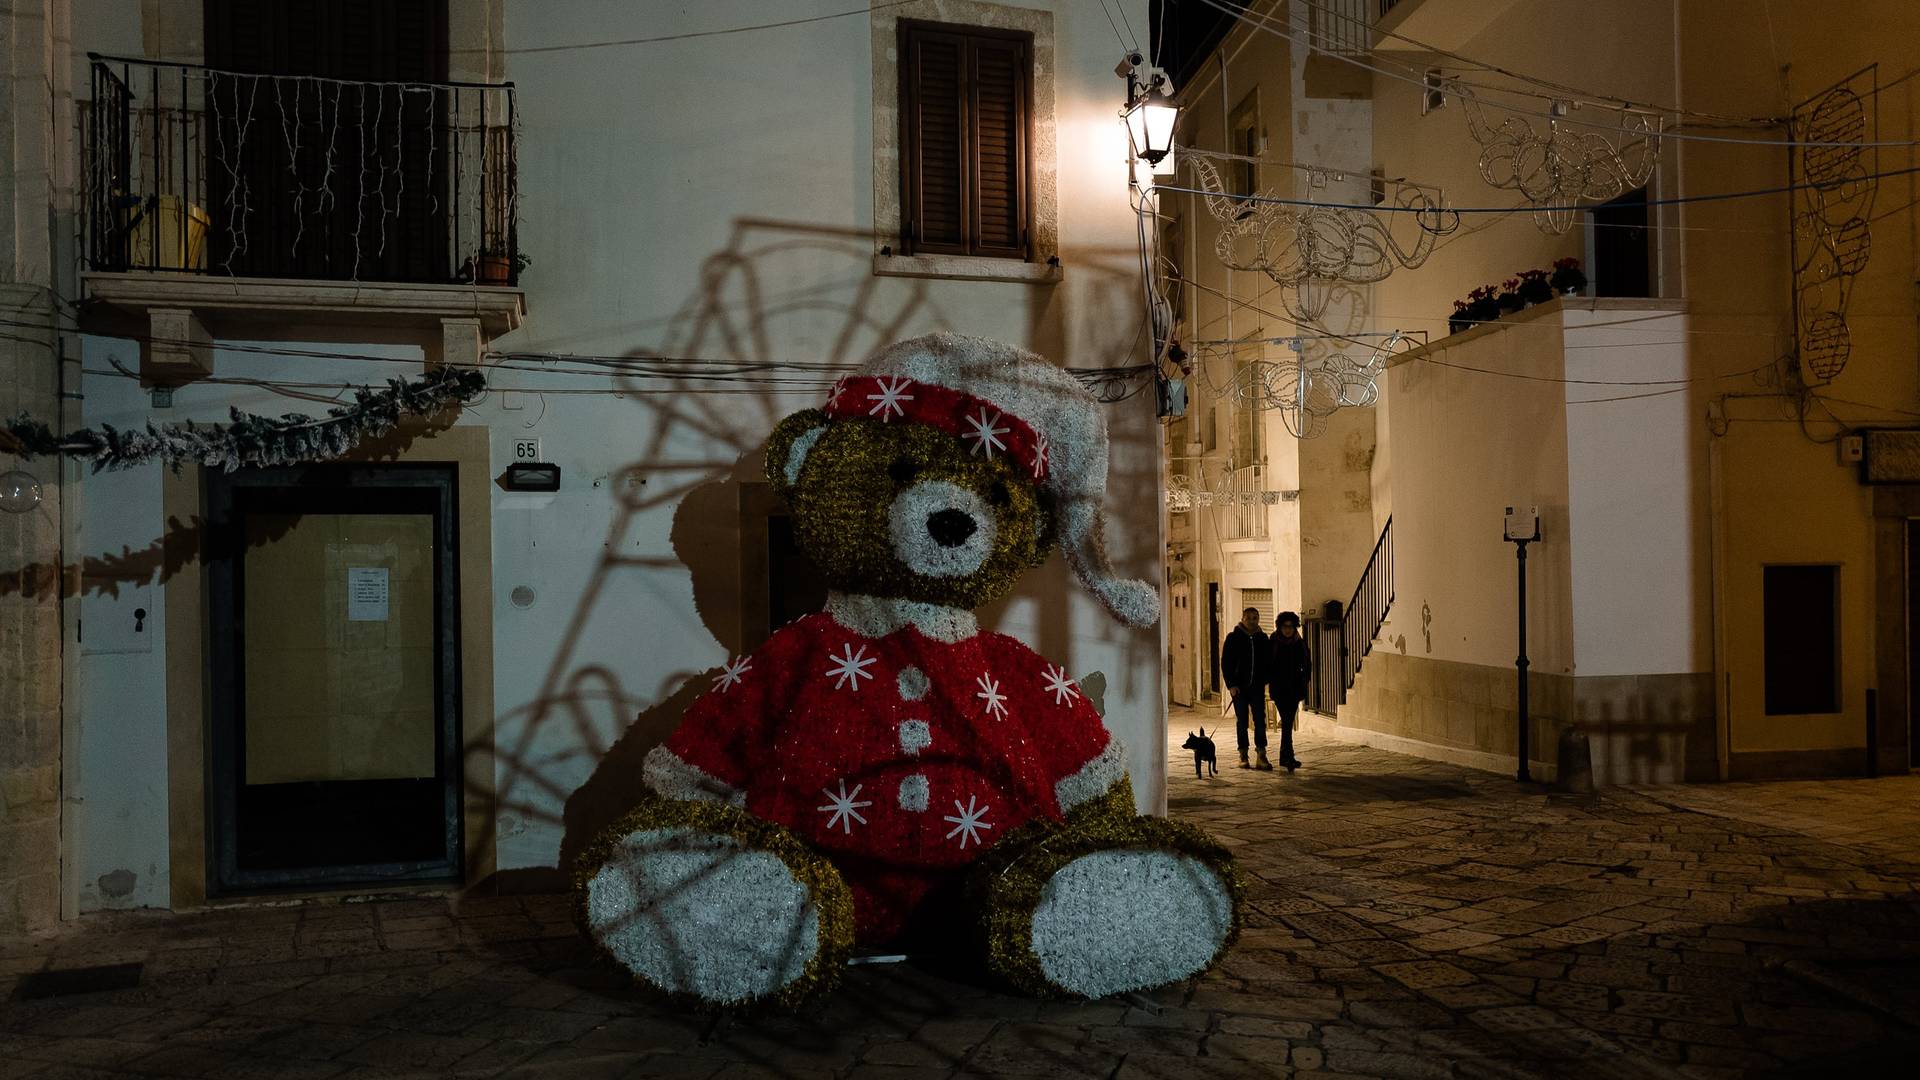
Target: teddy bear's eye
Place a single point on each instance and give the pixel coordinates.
(999, 494)
(903, 470)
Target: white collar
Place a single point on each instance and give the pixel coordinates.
(878, 616)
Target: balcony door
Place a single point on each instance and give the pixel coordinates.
(333, 646)
(328, 144)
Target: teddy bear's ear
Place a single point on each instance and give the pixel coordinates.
(788, 445)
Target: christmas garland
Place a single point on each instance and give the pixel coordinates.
(251, 439)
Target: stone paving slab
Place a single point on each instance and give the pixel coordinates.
(1407, 919)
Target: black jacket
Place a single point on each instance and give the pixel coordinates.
(1289, 666)
(1244, 658)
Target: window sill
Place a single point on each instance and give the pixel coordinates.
(967, 268)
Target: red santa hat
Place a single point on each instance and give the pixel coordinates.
(1003, 400)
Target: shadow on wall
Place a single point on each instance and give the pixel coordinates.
(587, 718)
(741, 315)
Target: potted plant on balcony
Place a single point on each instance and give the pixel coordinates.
(1534, 288)
(1567, 276)
(500, 268)
(1461, 318)
(1481, 304)
(1509, 296)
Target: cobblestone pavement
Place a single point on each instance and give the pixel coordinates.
(1408, 919)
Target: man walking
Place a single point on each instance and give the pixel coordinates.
(1244, 656)
(1288, 671)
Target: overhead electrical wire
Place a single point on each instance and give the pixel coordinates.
(1677, 200)
(1560, 90)
(707, 33)
(1420, 80)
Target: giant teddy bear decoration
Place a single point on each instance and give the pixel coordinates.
(885, 774)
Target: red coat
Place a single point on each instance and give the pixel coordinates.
(900, 757)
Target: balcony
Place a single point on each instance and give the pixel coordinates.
(1436, 24)
(297, 207)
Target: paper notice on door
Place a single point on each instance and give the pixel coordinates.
(366, 594)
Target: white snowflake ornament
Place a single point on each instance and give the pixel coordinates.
(887, 403)
(851, 667)
(985, 434)
(1060, 686)
(990, 693)
(735, 671)
(841, 809)
(968, 825)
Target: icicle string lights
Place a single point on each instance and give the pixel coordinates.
(1567, 166)
(186, 172)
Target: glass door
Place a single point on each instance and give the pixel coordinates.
(334, 656)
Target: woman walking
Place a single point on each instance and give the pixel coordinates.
(1291, 667)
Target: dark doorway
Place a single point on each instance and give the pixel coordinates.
(333, 644)
(1213, 638)
(1623, 247)
(347, 172)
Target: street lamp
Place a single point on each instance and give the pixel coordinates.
(1150, 110)
(1520, 531)
(1150, 117)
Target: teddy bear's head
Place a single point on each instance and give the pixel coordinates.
(946, 468)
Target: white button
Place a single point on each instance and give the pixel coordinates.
(915, 736)
(913, 683)
(913, 793)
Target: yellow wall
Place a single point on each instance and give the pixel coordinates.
(1763, 490)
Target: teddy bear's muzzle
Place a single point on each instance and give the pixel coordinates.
(951, 528)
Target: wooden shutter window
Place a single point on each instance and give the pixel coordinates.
(965, 123)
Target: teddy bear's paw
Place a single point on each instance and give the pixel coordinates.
(1130, 919)
(703, 914)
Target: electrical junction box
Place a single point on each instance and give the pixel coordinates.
(1853, 449)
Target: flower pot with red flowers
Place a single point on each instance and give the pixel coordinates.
(1481, 304)
(1534, 288)
(1460, 319)
(1509, 296)
(1567, 276)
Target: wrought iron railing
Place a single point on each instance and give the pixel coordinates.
(1388, 5)
(1340, 26)
(196, 170)
(1246, 514)
(1365, 613)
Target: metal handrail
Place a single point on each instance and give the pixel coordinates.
(1367, 611)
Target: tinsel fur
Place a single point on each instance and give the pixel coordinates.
(250, 439)
(831, 897)
(845, 486)
(1006, 885)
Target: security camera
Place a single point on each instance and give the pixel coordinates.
(1126, 66)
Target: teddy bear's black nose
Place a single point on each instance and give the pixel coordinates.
(950, 528)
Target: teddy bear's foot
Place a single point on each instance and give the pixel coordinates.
(697, 903)
(1116, 921)
(1107, 903)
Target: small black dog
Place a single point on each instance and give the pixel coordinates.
(1202, 748)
